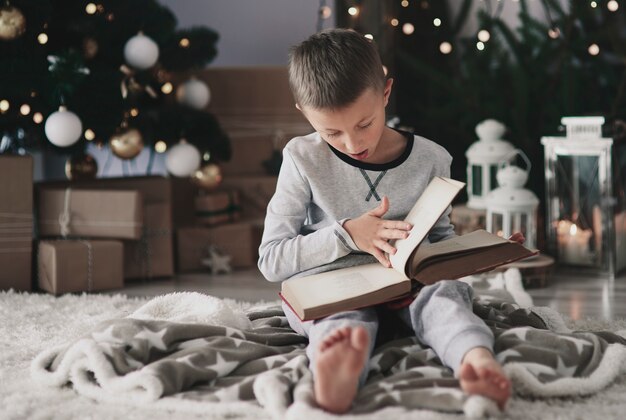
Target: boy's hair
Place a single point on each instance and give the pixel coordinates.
(332, 68)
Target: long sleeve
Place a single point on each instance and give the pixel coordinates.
(285, 250)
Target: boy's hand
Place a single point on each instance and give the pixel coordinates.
(518, 237)
(371, 233)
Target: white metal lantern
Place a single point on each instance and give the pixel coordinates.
(483, 158)
(511, 207)
(585, 198)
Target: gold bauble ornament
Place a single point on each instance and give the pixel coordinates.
(208, 176)
(81, 167)
(12, 23)
(127, 143)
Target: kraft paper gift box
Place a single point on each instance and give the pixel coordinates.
(255, 193)
(66, 266)
(217, 207)
(89, 213)
(238, 240)
(153, 255)
(16, 222)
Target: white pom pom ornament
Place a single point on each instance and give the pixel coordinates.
(183, 159)
(194, 93)
(63, 128)
(141, 52)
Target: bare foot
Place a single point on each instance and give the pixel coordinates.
(339, 363)
(481, 374)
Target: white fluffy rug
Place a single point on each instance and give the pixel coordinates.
(31, 323)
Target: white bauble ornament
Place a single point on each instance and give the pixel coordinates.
(194, 93)
(63, 128)
(182, 159)
(141, 52)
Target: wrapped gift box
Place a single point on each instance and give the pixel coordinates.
(238, 240)
(16, 222)
(217, 207)
(153, 254)
(66, 266)
(255, 193)
(89, 213)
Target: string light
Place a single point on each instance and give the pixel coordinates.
(594, 4)
(206, 156)
(184, 42)
(445, 47)
(89, 134)
(25, 109)
(405, 3)
(594, 49)
(91, 8)
(612, 6)
(437, 22)
(167, 88)
(395, 22)
(408, 28)
(554, 33)
(326, 11)
(42, 38)
(480, 45)
(134, 112)
(353, 11)
(37, 117)
(4, 105)
(385, 71)
(484, 35)
(160, 146)
(369, 36)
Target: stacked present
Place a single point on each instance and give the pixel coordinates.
(16, 222)
(216, 225)
(100, 232)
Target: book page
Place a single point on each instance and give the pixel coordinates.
(337, 285)
(464, 243)
(427, 210)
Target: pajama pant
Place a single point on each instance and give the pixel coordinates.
(441, 317)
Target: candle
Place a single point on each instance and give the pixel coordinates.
(574, 243)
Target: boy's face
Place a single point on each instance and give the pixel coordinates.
(357, 129)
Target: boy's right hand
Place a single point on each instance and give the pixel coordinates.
(371, 233)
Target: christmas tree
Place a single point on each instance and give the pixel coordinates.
(568, 62)
(118, 66)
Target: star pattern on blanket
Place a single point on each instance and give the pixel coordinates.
(232, 332)
(537, 368)
(562, 369)
(578, 342)
(504, 355)
(221, 366)
(154, 338)
(107, 336)
(518, 332)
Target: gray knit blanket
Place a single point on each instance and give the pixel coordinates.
(261, 363)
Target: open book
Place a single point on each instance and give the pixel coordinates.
(324, 294)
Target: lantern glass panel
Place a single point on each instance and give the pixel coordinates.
(493, 171)
(577, 206)
(477, 180)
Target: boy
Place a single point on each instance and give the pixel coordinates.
(320, 218)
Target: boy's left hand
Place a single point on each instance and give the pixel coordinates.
(518, 237)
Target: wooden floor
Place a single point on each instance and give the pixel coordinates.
(576, 296)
